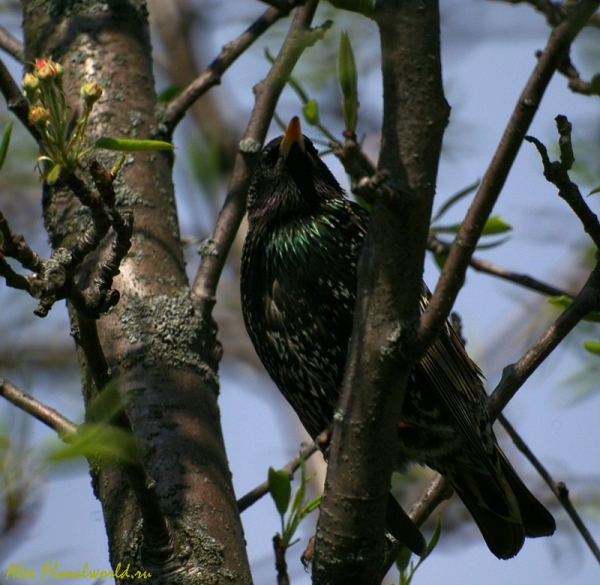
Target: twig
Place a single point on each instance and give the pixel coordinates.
(98, 296)
(15, 100)
(259, 491)
(452, 277)
(355, 162)
(555, 12)
(158, 535)
(576, 84)
(280, 562)
(65, 428)
(15, 246)
(212, 74)
(557, 173)
(12, 45)
(514, 375)
(558, 488)
(85, 334)
(439, 247)
(90, 240)
(215, 249)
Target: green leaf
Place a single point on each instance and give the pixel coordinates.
(308, 508)
(130, 145)
(436, 535)
(592, 346)
(595, 84)
(5, 143)
(403, 559)
(495, 225)
(562, 302)
(98, 440)
(595, 190)
(348, 80)
(455, 199)
(280, 487)
(347, 75)
(301, 491)
(168, 94)
(440, 259)
(311, 112)
(445, 229)
(490, 245)
(52, 175)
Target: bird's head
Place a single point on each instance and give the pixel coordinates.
(290, 178)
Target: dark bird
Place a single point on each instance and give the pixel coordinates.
(298, 286)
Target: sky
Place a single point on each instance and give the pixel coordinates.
(488, 54)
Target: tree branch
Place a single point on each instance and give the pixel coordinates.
(158, 535)
(65, 428)
(558, 488)
(439, 247)
(15, 101)
(211, 76)
(214, 251)
(557, 173)
(576, 84)
(514, 375)
(452, 276)
(260, 490)
(350, 534)
(12, 45)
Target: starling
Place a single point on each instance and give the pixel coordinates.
(298, 287)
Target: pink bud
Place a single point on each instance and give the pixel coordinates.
(91, 93)
(39, 115)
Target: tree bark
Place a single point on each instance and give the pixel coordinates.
(162, 355)
(363, 452)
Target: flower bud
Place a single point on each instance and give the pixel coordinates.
(30, 82)
(38, 116)
(48, 70)
(91, 93)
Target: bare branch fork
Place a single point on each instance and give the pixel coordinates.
(464, 245)
(212, 74)
(515, 375)
(361, 169)
(452, 276)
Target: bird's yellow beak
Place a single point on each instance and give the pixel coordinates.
(292, 134)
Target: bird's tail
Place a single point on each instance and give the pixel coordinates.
(503, 508)
(402, 528)
(536, 519)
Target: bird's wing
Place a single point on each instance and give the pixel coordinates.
(457, 382)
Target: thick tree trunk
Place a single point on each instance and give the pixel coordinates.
(363, 452)
(162, 354)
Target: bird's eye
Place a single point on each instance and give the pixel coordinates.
(270, 157)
